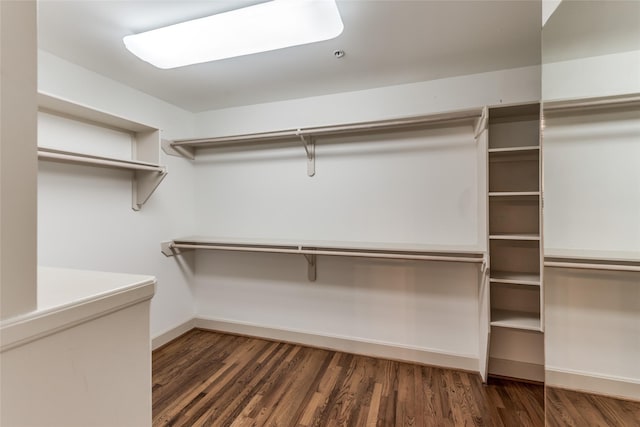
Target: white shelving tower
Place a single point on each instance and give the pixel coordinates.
(515, 224)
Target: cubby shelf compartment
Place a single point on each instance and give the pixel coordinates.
(311, 249)
(528, 279)
(515, 319)
(514, 171)
(145, 147)
(531, 148)
(514, 216)
(513, 193)
(307, 136)
(514, 236)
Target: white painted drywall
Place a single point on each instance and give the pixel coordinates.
(592, 205)
(594, 76)
(518, 85)
(592, 181)
(85, 218)
(426, 306)
(593, 329)
(411, 188)
(17, 158)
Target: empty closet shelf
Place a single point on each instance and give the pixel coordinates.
(532, 279)
(515, 319)
(533, 148)
(147, 173)
(513, 193)
(342, 129)
(410, 252)
(87, 159)
(514, 236)
(593, 260)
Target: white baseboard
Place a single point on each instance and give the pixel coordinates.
(172, 334)
(345, 344)
(586, 382)
(516, 369)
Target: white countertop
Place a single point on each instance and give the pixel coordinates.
(69, 297)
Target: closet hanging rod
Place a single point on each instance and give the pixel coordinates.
(301, 250)
(616, 101)
(71, 157)
(592, 266)
(380, 125)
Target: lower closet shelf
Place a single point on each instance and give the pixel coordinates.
(516, 319)
(532, 279)
(593, 260)
(310, 249)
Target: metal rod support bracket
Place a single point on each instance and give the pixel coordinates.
(311, 259)
(169, 250)
(178, 151)
(481, 123)
(310, 149)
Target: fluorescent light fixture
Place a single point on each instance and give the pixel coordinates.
(267, 26)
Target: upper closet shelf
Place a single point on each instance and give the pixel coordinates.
(63, 156)
(145, 145)
(307, 136)
(310, 249)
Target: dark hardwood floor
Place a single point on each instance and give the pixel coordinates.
(571, 408)
(211, 379)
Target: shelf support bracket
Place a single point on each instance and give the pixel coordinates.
(178, 151)
(143, 185)
(481, 123)
(310, 149)
(311, 259)
(169, 250)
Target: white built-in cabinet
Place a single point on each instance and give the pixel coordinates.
(142, 160)
(514, 233)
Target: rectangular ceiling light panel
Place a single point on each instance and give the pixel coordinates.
(267, 26)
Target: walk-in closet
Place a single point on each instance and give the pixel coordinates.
(428, 213)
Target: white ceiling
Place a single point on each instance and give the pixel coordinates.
(386, 42)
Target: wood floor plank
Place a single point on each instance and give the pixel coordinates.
(374, 405)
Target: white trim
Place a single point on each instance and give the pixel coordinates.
(172, 333)
(516, 369)
(625, 388)
(360, 346)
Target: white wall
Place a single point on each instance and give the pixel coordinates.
(592, 205)
(431, 307)
(85, 218)
(592, 338)
(594, 76)
(516, 85)
(403, 188)
(414, 187)
(592, 181)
